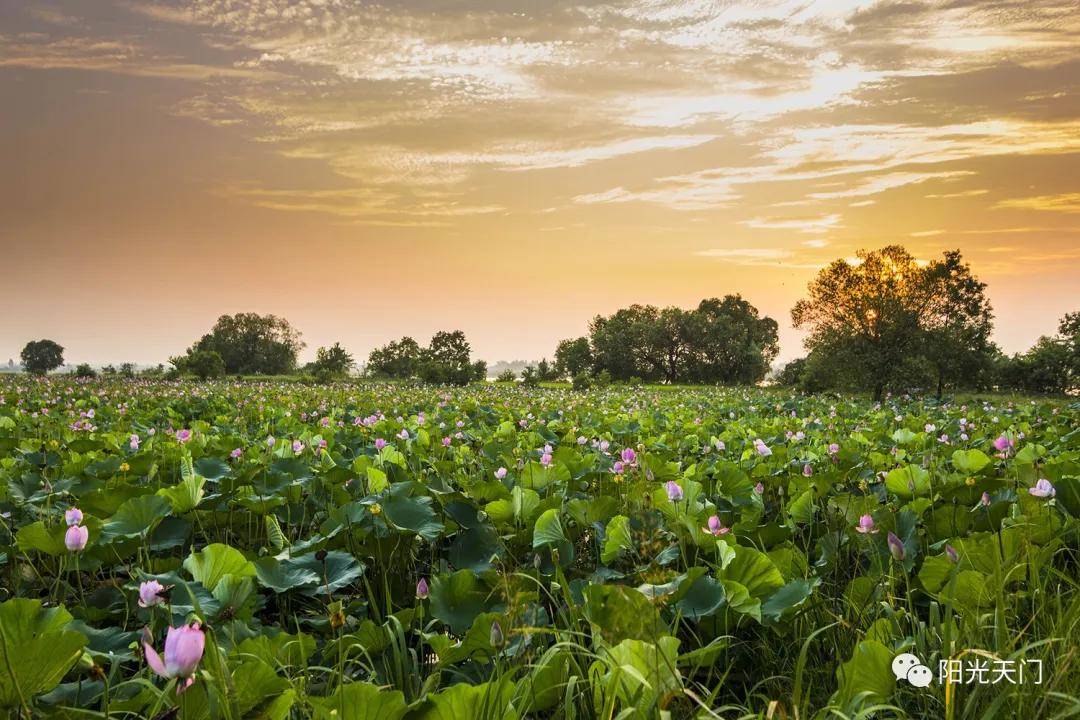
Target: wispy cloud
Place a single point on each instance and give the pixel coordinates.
(1064, 202)
(814, 225)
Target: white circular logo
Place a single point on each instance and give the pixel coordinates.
(902, 663)
(920, 676)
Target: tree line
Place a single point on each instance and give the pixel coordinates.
(883, 322)
(888, 322)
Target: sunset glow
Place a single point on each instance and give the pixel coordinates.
(511, 169)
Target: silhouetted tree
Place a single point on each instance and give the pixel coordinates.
(573, 357)
(398, 359)
(444, 361)
(720, 341)
(887, 320)
(203, 364)
(252, 344)
(41, 356)
(331, 363)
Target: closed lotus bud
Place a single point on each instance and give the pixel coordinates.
(422, 589)
(950, 552)
(896, 548)
(497, 639)
(320, 555)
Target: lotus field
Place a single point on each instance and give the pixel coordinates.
(276, 550)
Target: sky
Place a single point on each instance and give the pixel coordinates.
(511, 168)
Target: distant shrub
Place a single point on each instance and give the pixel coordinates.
(581, 381)
(203, 364)
(83, 370)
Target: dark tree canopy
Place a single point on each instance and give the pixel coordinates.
(252, 344)
(446, 360)
(1051, 366)
(331, 363)
(41, 356)
(891, 321)
(720, 341)
(397, 359)
(203, 364)
(573, 357)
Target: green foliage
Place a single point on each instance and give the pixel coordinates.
(1051, 366)
(573, 357)
(203, 364)
(332, 363)
(41, 356)
(35, 650)
(890, 322)
(720, 341)
(252, 344)
(554, 583)
(445, 361)
(83, 370)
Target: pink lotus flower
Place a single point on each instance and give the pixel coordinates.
(182, 436)
(1042, 489)
(545, 459)
(807, 471)
(73, 516)
(422, 589)
(500, 473)
(716, 527)
(759, 489)
(950, 552)
(866, 525)
(762, 448)
(834, 448)
(379, 443)
(1003, 444)
(150, 593)
(270, 441)
(133, 442)
(896, 547)
(236, 453)
(184, 647)
(985, 499)
(404, 434)
(629, 457)
(75, 538)
(297, 447)
(674, 491)
(617, 468)
(447, 442)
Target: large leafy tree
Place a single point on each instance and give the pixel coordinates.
(446, 360)
(1052, 365)
(253, 344)
(397, 359)
(41, 356)
(731, 342)
(331, 362)
(203, 364)
(1069, 334)
(889, 320)
(720, 341)
(573, 357)
(624, 344)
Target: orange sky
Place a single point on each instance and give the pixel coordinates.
(513, 168)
